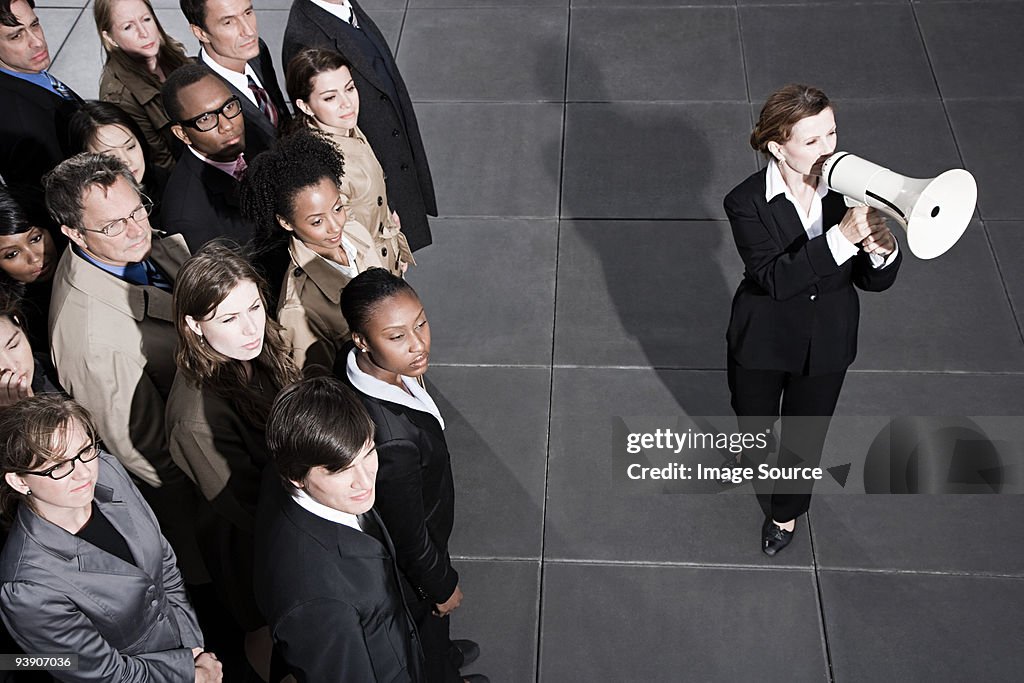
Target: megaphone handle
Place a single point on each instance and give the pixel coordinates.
(851, 202)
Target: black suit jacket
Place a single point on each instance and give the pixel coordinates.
(415, 493)
(260, 134)
(330, 594)
(33, 130)
(386, 115)
(201, 202)
(795, 310)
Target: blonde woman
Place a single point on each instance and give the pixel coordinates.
(140, 56)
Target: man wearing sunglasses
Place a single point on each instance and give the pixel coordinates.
(201, 198)
(111, 330)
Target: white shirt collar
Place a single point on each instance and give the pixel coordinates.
(775, 184)
(352, 269)
(342, 9)
(371, 386)
(304, 501)
(240, 81)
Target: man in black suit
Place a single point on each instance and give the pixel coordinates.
(34, 105)
(325, 575)
(201, 200)
(231, 46)
(386, 115)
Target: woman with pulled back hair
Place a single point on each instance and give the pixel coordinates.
(415, 489)
(232, 362)
(293, 194)
(793, 329)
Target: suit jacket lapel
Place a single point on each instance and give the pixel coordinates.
(341, 34)
(92, 559)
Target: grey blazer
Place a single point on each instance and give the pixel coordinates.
(60, 594)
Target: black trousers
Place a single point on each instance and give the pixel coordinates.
(806, 404)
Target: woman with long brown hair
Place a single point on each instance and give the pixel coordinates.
(232, 362)
(140, 56)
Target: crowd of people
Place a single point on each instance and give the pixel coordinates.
(220, 458)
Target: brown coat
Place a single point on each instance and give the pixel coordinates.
(363, 184)
(129, 86)
(310, 303)
(113, 347)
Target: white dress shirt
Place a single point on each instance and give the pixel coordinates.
(419, 399)
(323, 511)
(343, 10)
(240, 81)
(842, 249)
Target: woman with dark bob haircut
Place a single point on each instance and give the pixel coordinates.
(793, 330)
(85, 569)
(415, 489)
(105, 128)
(232, 361)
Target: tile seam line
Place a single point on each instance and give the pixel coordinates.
(820, 599)
(924, 572)
(74, 25)
(682, 565)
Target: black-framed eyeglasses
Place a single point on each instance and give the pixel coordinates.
(208, 120)
(66, 467)
(116, 227)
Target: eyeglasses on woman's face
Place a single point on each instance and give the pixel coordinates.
(62, 469)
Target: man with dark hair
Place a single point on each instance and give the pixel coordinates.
(111, 330)
(34, 105)
(386, 115)
(231, 46)
(325, 574)
(201, 200)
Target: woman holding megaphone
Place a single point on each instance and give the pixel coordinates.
(793, 329)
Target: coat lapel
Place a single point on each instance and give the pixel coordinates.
(342, 35)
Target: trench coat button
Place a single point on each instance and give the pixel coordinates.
(151, 589)
(161, 617)
(394, 133)
(383, 98)
(154, 603)
(383, 251)
(405, 167)
(380, 201)
(814, 297)
(297, 272)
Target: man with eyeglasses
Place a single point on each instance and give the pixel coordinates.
(201, 200)
(111, 330)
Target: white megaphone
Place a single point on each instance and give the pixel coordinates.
(935, 212)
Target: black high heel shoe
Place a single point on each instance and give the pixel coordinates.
(774, 538)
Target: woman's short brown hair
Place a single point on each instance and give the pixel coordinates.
(27, 431)
(782, 110)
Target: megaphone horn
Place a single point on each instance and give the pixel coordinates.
(935, 212)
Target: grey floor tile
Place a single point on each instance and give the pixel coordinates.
(500, 613)
(649, 3)
(499, 456)
(1008, 244)
(880, 55)
(938, 533)
(77, 4)
(452, 4)
(493, 302)
(992, 158)
(884, 627)
(656, 51)
(644, 293)
(371, 6)
(911, 393)
(643, 160)
(619, 623)
(57, 25)
(974, 48)
(490, 159)
(949, 313)
(593, 514)
(485, 54)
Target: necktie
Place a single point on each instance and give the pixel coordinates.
(263, 100)
(156, 278)
(351, 19)
(61, 89)
(240, 166)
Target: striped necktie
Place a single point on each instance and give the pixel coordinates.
(59, 88)
(352, 16)
(263, 100)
